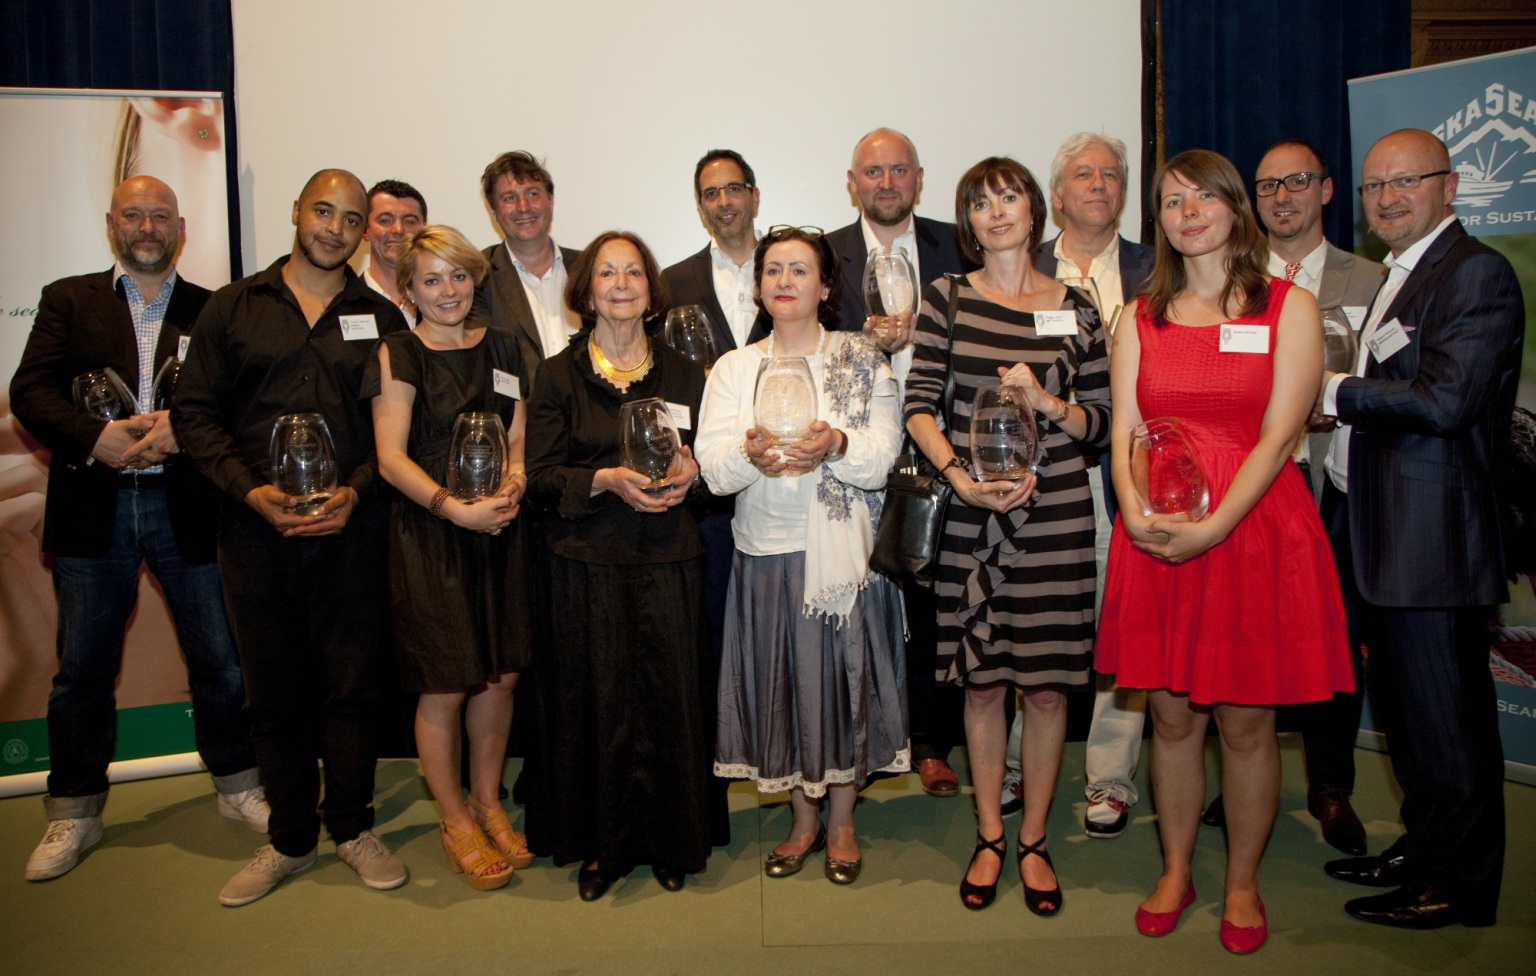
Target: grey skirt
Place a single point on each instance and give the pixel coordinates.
(805, 701)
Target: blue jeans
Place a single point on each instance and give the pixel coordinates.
(96, 596)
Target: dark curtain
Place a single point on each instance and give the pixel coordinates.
(170, 45)
(1240, 74)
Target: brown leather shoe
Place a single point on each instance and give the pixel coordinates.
(937, 778)
(1341, 826)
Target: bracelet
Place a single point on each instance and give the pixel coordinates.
(954, 462)
(438, 497)
(1065, 407)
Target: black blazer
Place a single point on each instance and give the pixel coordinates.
(1430, 430)
(691, 281)
(938, 253)
(83, 323)
(502, 300)
(1136, 262)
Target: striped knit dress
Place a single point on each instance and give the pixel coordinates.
(1015, 591)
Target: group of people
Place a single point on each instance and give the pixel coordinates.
(723, 621)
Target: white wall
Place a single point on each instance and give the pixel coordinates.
(622, 98)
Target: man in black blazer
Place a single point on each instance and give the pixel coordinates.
(525, 290)
(718, 279)
(120, 494)
(1412, 493)
(887, 178)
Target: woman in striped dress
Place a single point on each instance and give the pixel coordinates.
(1015, 578)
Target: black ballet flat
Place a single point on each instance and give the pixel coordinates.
(669, 878)
(590, 884)
(1040, 901)
(977, 896)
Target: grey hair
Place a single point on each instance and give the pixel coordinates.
(1075, 145)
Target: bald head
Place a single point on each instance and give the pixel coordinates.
(886, 176)
(145, 226)
(327, 177)
(1403, 217)
(329, 218)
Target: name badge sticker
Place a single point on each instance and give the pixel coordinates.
(1388, 338)
(1056, 323)
(359, 327)
(1356, 315)
(682, 417)
(506, 384)
(1245, 338)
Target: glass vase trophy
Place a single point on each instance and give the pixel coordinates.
(1339, 342)
(648, 441)
(688, 330)
(165, 384)
(103, 394)
(477, 456)
(1004, 439)
(1166, 472)
(890, 294)
(303, 459)
(784, 406)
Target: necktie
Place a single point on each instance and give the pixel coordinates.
(1290, 271)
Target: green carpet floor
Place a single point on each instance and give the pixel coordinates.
(143, 901)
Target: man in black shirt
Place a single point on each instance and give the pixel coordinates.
(304, 592)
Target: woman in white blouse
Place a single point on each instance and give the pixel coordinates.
(811, 680)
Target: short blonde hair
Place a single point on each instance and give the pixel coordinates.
(444, 242)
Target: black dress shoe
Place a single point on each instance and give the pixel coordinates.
(590, 883)
(1215, 815)
(1341, 826)
(1373, 872)
(1416, 905)
(669, 878)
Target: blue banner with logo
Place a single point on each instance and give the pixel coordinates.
(1484, 109)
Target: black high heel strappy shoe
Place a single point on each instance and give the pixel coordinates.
(975, 896)
(1037, 900)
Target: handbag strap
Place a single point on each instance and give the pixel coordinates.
(949, 348)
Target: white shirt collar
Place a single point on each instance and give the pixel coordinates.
(1109, 257)
(725, 261)
(558, 262)
(1410, 258)
(906, 240)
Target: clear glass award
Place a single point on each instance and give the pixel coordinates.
(688, 330)
(784, 406)
(303, 459)
(1166, 471)
(477, 456)
(890, 294)
(648, 441)
(1339, 342)
(103, 394)
(165, 384)
(1004, 439)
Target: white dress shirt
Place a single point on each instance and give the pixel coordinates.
(1310, 275)
(735, 290)
(1104, 270)
(546, 300)
(406, 307)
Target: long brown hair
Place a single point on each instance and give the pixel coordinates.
(1247, 248)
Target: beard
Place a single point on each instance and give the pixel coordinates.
(318, 260)
(145, 255)
(889, 214)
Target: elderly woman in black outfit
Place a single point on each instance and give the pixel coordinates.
(627, 756)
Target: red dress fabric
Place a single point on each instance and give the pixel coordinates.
(1257, 619)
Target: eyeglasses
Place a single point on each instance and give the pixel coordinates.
(1296, 182)
(712, 193)
(778, 231)
(1372, 188)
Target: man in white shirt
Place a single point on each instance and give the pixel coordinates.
(395, 209)
(718, 279)
(525, 290)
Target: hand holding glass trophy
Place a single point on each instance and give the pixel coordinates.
(303, 459)
(477, 457)
(1166, 472)
(103, 394)
(890, 294)
(1004, 439)
(688, 330)
(649, 441)
(784, 404)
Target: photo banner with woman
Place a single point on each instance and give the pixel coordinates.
(1484, 109)
(69, 148)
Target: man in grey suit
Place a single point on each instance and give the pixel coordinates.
(525, 290)
(1291, 186)
(718, 279)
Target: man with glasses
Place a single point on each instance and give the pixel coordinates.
(718, 279)
(887, 178)
(1411, 493)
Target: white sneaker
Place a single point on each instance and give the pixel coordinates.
(1108, 812)
(1013, 794)
(61, 847)
(372, 861)
(248, 805)
(263, 874)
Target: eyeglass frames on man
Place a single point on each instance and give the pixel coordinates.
(712, 193)
(1296, 182)
(1372, 188)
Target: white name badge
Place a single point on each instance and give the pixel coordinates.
(1356, 315)
(506, 384)
(682, 417)
(359, 327)
(1057, 323)
(1387, 340)
(183, 343)
(1245, 338)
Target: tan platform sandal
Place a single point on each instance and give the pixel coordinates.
(480, 872)
(495, 823)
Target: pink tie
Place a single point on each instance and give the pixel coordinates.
(1290, 271)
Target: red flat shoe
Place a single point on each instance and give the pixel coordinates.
(1157, 924)
(1241, 939)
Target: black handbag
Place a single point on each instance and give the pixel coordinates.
(916, 496)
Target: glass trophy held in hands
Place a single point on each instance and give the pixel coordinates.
(477, 456)
(165, 384)
(689, 331)
(1339, 342)
(784, 406)
(1004, 439)
(1166, 472)
(103, 394)
(890, 294)
(648, 441)
(303, 459)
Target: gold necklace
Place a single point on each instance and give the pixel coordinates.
(614, 373)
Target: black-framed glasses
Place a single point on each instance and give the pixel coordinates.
(1371, 188)
(1296, 182)
(712, 193)
(778, 231)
